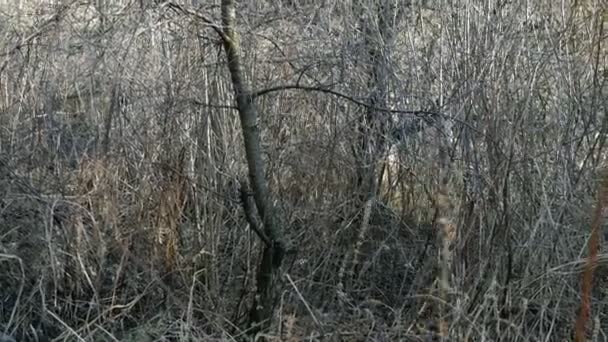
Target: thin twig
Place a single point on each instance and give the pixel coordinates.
(308, 308)
(66, 326)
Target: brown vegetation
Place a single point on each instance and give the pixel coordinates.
(302, 170)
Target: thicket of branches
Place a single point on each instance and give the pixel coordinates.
(432, 164)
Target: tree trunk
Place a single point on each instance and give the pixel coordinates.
(261, 311)
(378, 26)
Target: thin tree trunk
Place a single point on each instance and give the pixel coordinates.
(272, 255)
(373, 125)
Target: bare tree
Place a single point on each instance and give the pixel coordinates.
(274, 249)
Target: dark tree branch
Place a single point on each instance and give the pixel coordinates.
(196, 14)
(361, 103)
(246, 195)
(419, 113)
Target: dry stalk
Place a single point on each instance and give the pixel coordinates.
(594, 242)
(171, 206)
(447, 238)
(367, 210)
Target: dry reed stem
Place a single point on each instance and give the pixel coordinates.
(447, 237)
(585, 310)
(367, 211)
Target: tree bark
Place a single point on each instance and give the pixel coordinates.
(272, 255)
(378, 26)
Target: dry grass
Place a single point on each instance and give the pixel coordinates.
(477, 231)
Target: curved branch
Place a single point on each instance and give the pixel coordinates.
(267, 91)
(206, 20)
(420, 113)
